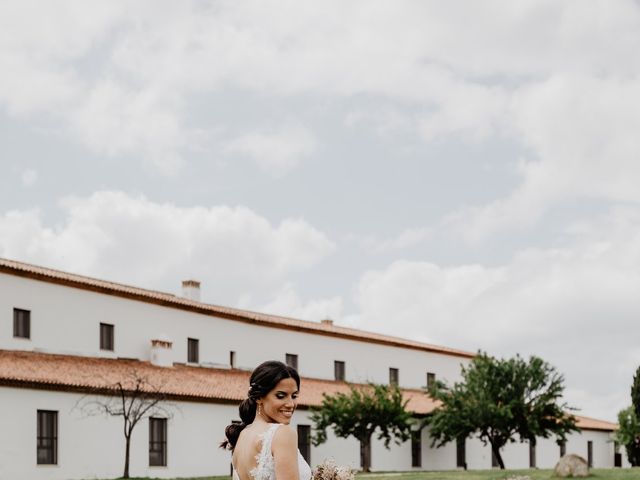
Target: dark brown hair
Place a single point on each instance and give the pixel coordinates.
(263, 379)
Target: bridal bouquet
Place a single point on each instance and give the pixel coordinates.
(328, 470)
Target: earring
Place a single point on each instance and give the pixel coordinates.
(262, 414)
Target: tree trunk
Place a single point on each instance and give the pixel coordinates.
(127, 445)
(495, 450)
(532, 453)
(365, 454)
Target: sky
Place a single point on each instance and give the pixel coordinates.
(461, 173)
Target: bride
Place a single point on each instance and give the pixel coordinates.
(264, 446)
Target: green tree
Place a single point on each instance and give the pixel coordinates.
(635, 393)
(629, 421)
(362, 412)
(628, 434)
(499, 400)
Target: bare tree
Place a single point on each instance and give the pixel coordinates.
(133, 398)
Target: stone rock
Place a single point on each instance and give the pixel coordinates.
(571, 465)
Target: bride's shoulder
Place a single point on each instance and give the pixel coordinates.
(285, 435)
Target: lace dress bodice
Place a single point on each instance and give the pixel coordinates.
(265, 468)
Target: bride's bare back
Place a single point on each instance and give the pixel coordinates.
(247, 449)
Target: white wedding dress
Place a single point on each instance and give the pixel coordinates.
(265, 468)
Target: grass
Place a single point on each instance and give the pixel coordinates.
(596, 474)
(533, 474)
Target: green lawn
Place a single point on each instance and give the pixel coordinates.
(596, 474)
(602, 474)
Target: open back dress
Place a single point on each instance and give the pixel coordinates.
(265, 468)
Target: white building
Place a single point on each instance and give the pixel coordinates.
(65, 336)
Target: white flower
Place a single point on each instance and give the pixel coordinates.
(328, 470)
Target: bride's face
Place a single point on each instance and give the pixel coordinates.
(278, 405)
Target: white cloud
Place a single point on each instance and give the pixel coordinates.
(582, 132)
(122, 78)
(29, 177)
(38, 51)
(275, 152)
(287, 302)
(114, 120)
(407, 238)
(385, 121)
(571, 304)
(233, 251)
(473, 111)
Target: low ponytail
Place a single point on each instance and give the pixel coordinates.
(247, 410)
(232, 432)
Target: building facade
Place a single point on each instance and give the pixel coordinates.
(65, 338)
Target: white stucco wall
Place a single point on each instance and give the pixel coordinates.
(478, 454)
(66, 320)
(93, 447)
(442, 458)
(516, 454)
(78, 313)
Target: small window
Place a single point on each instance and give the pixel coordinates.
(157, 442)
(304, 442)
(461, 452)
(106, 337)
(291, 359)
(590, 453)
(338, 370)
(563, 449)
(47, 438)
(232, 359)
(532, 454)
(393, 376)
(193, 347)
(21, 323)
(416, 448)
(431, 379)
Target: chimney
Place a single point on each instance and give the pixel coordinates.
(161, 354)
(191, 290)
(327, 321)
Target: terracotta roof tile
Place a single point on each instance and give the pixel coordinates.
(587, 423)
(75, 373)
(84, 374)
(13, 267)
